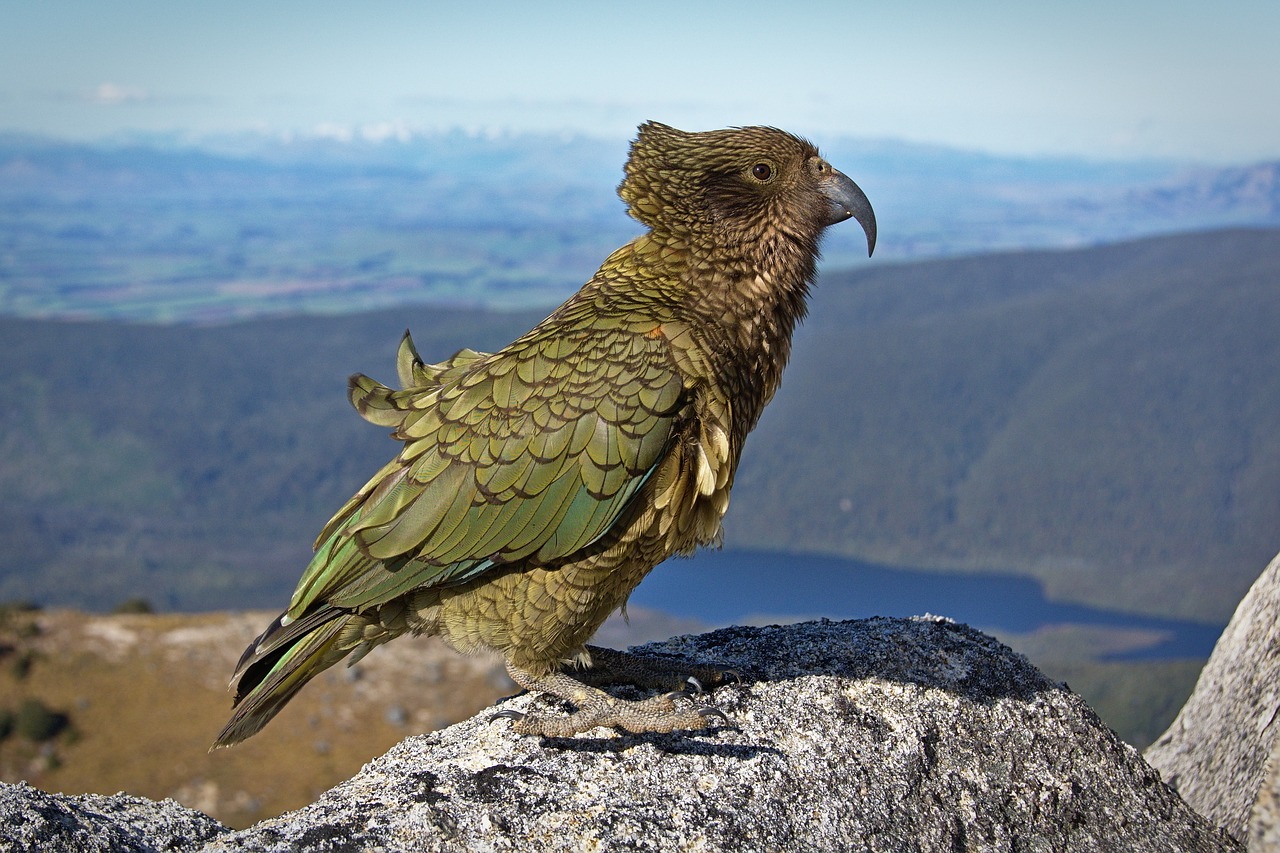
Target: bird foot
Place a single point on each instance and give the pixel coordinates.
(597, 708)
(610, 666)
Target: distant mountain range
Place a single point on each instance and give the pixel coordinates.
(1246, 192)
(157, 231)
(1102, 419)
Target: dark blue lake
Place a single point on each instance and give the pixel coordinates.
(726, 587)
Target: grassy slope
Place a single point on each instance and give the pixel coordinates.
(146, 694)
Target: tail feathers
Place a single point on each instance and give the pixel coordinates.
(278, 664)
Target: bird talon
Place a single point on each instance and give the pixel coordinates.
(517, 716)
(695, 684)
(709, 712)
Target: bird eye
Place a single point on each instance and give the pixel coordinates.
(762, 171)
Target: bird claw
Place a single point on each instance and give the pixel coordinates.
(508, 714)
(665, 712)
(693, 687)
(710, 713)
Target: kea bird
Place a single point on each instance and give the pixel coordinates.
(537, 486)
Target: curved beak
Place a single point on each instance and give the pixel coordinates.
(847, 200)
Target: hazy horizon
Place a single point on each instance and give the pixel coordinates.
(1136, 80)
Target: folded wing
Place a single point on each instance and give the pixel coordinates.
(528, 454)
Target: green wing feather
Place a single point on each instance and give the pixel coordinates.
(530, 453)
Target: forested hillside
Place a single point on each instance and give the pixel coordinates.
(1103, 419)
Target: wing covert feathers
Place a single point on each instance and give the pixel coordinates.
(530, 453)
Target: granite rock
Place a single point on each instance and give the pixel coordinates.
(1219, 753)
(881, 734)
(31, 819)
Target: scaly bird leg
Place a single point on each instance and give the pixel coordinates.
(610, 666)
(597, 708)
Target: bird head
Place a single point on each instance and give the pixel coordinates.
(740, 183)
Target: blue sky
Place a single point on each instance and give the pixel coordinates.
(1124, 78)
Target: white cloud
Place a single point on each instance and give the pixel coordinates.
(378, 131)
(112, 94)
(383, 130)
(333, 130)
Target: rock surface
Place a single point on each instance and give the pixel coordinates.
(1264, 818)
(883, 734)
(1217, 750)
(30, 819)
